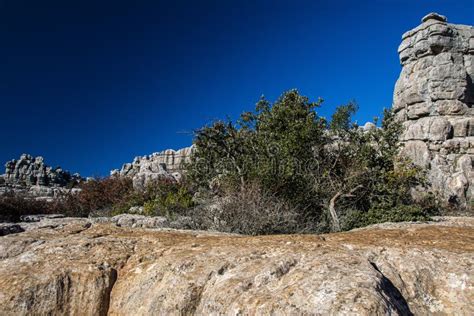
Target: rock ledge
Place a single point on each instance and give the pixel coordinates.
(79, 268)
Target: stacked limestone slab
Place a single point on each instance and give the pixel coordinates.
(164, 164)
(434, 98)
(31, 177)
(29, 170)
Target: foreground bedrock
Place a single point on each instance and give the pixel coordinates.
(77, 267)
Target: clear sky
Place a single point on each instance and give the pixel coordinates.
(89, 84)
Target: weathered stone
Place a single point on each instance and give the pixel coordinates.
(458, 145)
(433, 98)
(418, 110)
(39, 217)
(434, 16)
(389, 269)
(465, 163)
(142, 221)
(167, 164)
(464, 127)
(8, 228)
(450, 107)
(369, 126)
(418, 152)
(428, 129)
(136, 210)
(31, 177)
(129, 220)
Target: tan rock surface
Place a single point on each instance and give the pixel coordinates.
(79, 268)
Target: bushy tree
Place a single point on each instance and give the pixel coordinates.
(327, 170)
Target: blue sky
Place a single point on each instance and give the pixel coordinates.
(91, 84)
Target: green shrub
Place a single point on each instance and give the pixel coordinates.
(380, 214)
(167, 198)
(324, 169)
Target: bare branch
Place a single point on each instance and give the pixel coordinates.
(332, 206)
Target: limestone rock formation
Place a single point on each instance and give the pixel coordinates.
(73, 267)
(30, 176)
(164, 164)
(434, 97)
(29, 170)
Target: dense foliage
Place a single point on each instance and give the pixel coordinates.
(105, 197)
(281, 168)
(328, 171)
(167, 198)
(12, 207)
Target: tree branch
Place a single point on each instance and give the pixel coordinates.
(332, 206)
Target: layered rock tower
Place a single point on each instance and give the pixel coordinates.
(164, 164)
(31, 177)
(434, 97)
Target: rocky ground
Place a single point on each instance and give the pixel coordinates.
(60, 266)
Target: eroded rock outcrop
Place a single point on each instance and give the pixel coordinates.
(434, 97)
(31, 177)
(164, 164)
(76, 267)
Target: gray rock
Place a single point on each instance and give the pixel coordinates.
(428, 128)
(136, 210)
(133, 221)
(167, 164)
(368, 126)
(37, 218)
(141, 221)
(31, 177)
(434, 16)
(464, 127)
(434, 99)
(182, 222)
(418, 152)
(8, 228)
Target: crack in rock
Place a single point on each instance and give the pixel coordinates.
(392, 293)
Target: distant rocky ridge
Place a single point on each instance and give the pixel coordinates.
(164, 164)
(31, 177)
(434, 98)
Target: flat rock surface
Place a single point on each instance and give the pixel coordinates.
(84, 268)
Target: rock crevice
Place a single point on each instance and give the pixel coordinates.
(393, 294)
